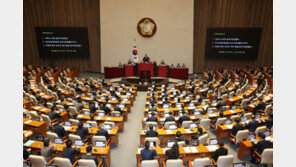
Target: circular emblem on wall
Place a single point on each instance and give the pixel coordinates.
(146, 27)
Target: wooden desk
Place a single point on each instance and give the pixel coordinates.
(27, 104)
(37, 127)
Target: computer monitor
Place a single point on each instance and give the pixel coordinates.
(193, 125)
(73, 101)
(267, 133)
(68, 123)
(239, 164)
(203, 103)
(258, 116)
(197, 96)
(187, 98)
(180, 114)
(58, 140)
(233, 107)
(82, 94)
(107, 126)
(100, 144)
(196, 113)
(166, 115)
(149, 115)
(113, 99)
(78, 142)
(128, 94)
(103, 98)
(107, 92)
(96, 104)
(86, 113)
(228, 122)
(108, 105)
(87, 125)
(121, 106)
(170, 144)
(244, 119)
(214, 101)
(179, 106)
(213, 141)
(210, 111)
(84, 103)
(251, 136)
(176, 98)
(172, 127)
(116, 115)
(152, 143)
(100, 114)
(191, 104)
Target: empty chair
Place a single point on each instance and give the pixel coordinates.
(248, 115)
(149, 163)
(238, 92)
(240, 135)
(34, 115)
(74, 122)
(115, 114)
(60, 107)
(168, 124)
(224, 97)
(93, 123)
(88, 88)
(100, 113)
(37, 161)
(231, 94)
(151, 123)
(186, 124)
(225, 161)
(225, 107)
(51, 136)
(73, 137)
(234, 117)
(55, 96)
(267, 156)
(98, 138)
(152, 139)
(62, 162)
(205, 123)
(220, 121)
(46, 119)
(201, 162)
(72, 111)
(261, 129)
(174, 163)
(203, 139)
(87, 162)
(244, 103)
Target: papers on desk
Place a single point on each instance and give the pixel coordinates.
(232, 111)
(192, 117)
(229, 126)
(187, 130)
(79, 116)
(28, 143)
(27, 122)
(268, 138)
(109, 118)
(44, 109)
(187, 149)
(191, 108)
(162, 119)
(176, 118)
(67, 128)
(139, 150)
(164, 150)
(213, 115)
(193, 149)
(168, 131)
(37, 108)
(212, 148)
(109, 131)
(99, 118)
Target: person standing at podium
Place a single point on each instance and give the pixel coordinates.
(145, 59)
(162, 62)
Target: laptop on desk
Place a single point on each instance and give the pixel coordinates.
(58, 140)
(170, 144)
(213, 141)
(78, 142)
(228, 122)
(239, 164)
(100, 144)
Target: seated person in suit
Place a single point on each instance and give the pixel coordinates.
(78, 105)
(89, 156)
(59, 129)
(183, 118)
(183, 65)
(162, 62)
(178, 137)
(26, 153)
(146, 59)
(69, 151)
(51, 114)
(103, 132)
(260, 146)
(199, 134)
(253, 124)
(105, 108)
(151, 132)
(220, 151)
(172, 66)
(120, 65)
(236, 127)
(92, 107)
(178, 65)
(153, 107)
(173, 153)
(47, 150)
(81, 131)
(148, 154)
(117, 108)
(129, 62)
(153, 118)
(170, 117)
(269, 121)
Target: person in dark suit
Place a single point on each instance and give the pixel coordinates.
(47, 150)
(151, 132)
(220, 151)
(59, 129)
(199, 134)
(145, 59)
(117, 108)
(81, 131)
(269, 121)
(152, 108)
(253, 124)
(183, 118)
(173, 153)
(148, 154)
(178, 137)
(51, 114)
(69, 152)
(89, 156)
(170, 117)
(236, 127)
(26, 153)
(103, 132)
(105, 108)
(259, 146)
(92, 107)
(153, 118)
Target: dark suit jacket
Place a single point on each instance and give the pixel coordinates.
(52, 115)
(171, 155)
(82, 132)
(252, 126)
(269, 123)
(148, 154)
(151, 133)
(69, 153)
(169, 118)
(90, 157)
(151, 119)
(60, 131)
(183, 118)
(261, 145)
(116, 108)
(106, 109)
(103, 132)
(220, 151)
(261, 106)
(236, 128)
(92, 108)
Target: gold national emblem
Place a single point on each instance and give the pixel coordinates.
(146, 27)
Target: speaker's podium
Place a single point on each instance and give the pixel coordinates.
(145, 75)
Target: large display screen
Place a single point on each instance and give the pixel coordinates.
(62, 41)
(233, 43)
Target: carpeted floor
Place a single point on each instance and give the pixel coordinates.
(124, 155)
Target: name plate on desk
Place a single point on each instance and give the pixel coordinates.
(28, 143)
(29, 121)
(193, 149)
